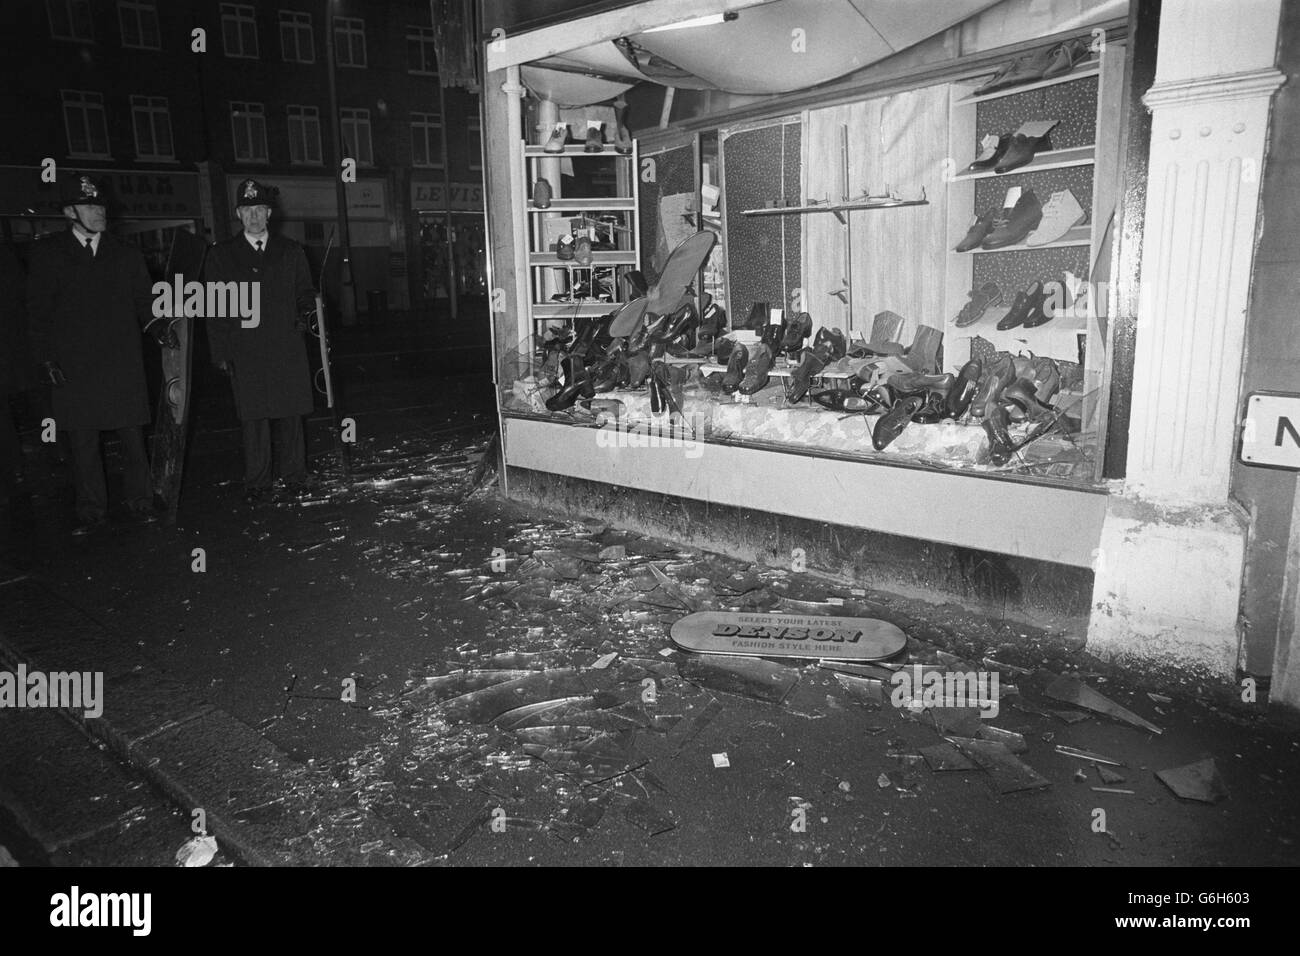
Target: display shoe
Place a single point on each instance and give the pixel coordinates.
(1015, 222)
(582, 253)
(796, 333)
(1023, 394)
(963, 389)
(840, 400)
(1027, 304)
(893, 423)
(760, 363)
(542, 194)
(996, 376)
(1025, 69)
(680, 271)
(595, 139)
(1023, 148)
(651, 331)
(758, 313)
(774, 334)
(1046, 377)
(998, 80)
(611, 373)
(1043, 308)
(622, 137)
(577, 384)
(810, 366)
(992, 147)
(834, 342)
(722, 349)
(1061, 213)
(564, 247)
(1001, 447)
(981, 300)
(559, 136)
(980, 227)
(638, 368)
(1064, 57)
(736, 363)
(681, 323)
(713, 318)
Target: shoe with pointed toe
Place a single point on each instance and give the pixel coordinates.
(895, 421)
(833, 340)
(996, 376)
(760, 363)
(963, 389)
(810, 366)
(979, 230)
(796, 333)
(736, 363)
(992, 148)
(1013, 225)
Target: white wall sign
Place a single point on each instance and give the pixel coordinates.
(1270, 432)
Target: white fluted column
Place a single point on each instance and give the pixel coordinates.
(1169, 568)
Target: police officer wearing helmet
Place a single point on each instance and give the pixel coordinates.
(89, 295)
(266, 361)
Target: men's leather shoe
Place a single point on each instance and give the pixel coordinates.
(564, 247)
(582, 253)
(760, 363)
(1013, 225)
(1022, 150)
(1026, 303)
(892, 424)
(638, 368)
(1061, 213)
(542, 194)
(796, 333)
(682, 322)
(996, 376)
(622, 137)
(577, 384)
(1025, 69)
(556, 142)
(814, 360)
(758, 315)
(992, 149)
(713, 318)
(1001, 447)
(1023, 395)
(979, 230)
(595, 140)
(963, 389)
(1043, 308)
(1046, 377)
(840, 400)
(981, 300)
(1064, 57)
(652, 330)
(736, 363)
(834, 342)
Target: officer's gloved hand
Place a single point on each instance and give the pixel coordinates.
(52, 374)
(303, 322)
(164, 333)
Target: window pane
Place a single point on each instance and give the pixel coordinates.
(98, 131)
(143, 135)
(150, 29)
(230, 37)
(163, 133)
(75, 119)
(81, 24)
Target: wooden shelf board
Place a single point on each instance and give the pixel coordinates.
(600, 258)
(621, 204)
(1076, 236)
(1082, 71)
(575, 149)
(1054, 159)
(833, 207)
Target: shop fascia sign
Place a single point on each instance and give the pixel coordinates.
(431, 197)
(314, 198)
(1270, 433)
(136, 194)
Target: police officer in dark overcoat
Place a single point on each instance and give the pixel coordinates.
(266, 361)
(89, 296)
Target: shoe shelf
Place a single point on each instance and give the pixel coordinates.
(1088, 68)
(609, 203)
(836, 208)
(1053, 159)
(603, 257)
(548, 273)
(1075, 236)
(575, 149)
(586, 308)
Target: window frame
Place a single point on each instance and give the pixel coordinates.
(139, 8)
(240, 14)
(294, 20)
(87, 100)
(423, 36)
(149, 105)
(427, 122)
(246, 114)
(351, 27)
(305, 112)
(360, 115)
(67, 8)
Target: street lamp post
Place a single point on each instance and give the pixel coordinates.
(348, 298)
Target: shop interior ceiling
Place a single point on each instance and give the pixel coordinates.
(773, 48)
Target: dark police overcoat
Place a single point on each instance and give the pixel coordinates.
(86, 313)
(271, 376)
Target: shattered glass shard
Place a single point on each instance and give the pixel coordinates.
(1008, 772)
(746, 676)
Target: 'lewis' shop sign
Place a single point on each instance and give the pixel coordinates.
(431, 197)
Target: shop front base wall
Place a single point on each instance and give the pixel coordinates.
(1051, 595)
(1168, 587)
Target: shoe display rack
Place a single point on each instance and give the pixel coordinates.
(576, 282)
(1075, 332)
